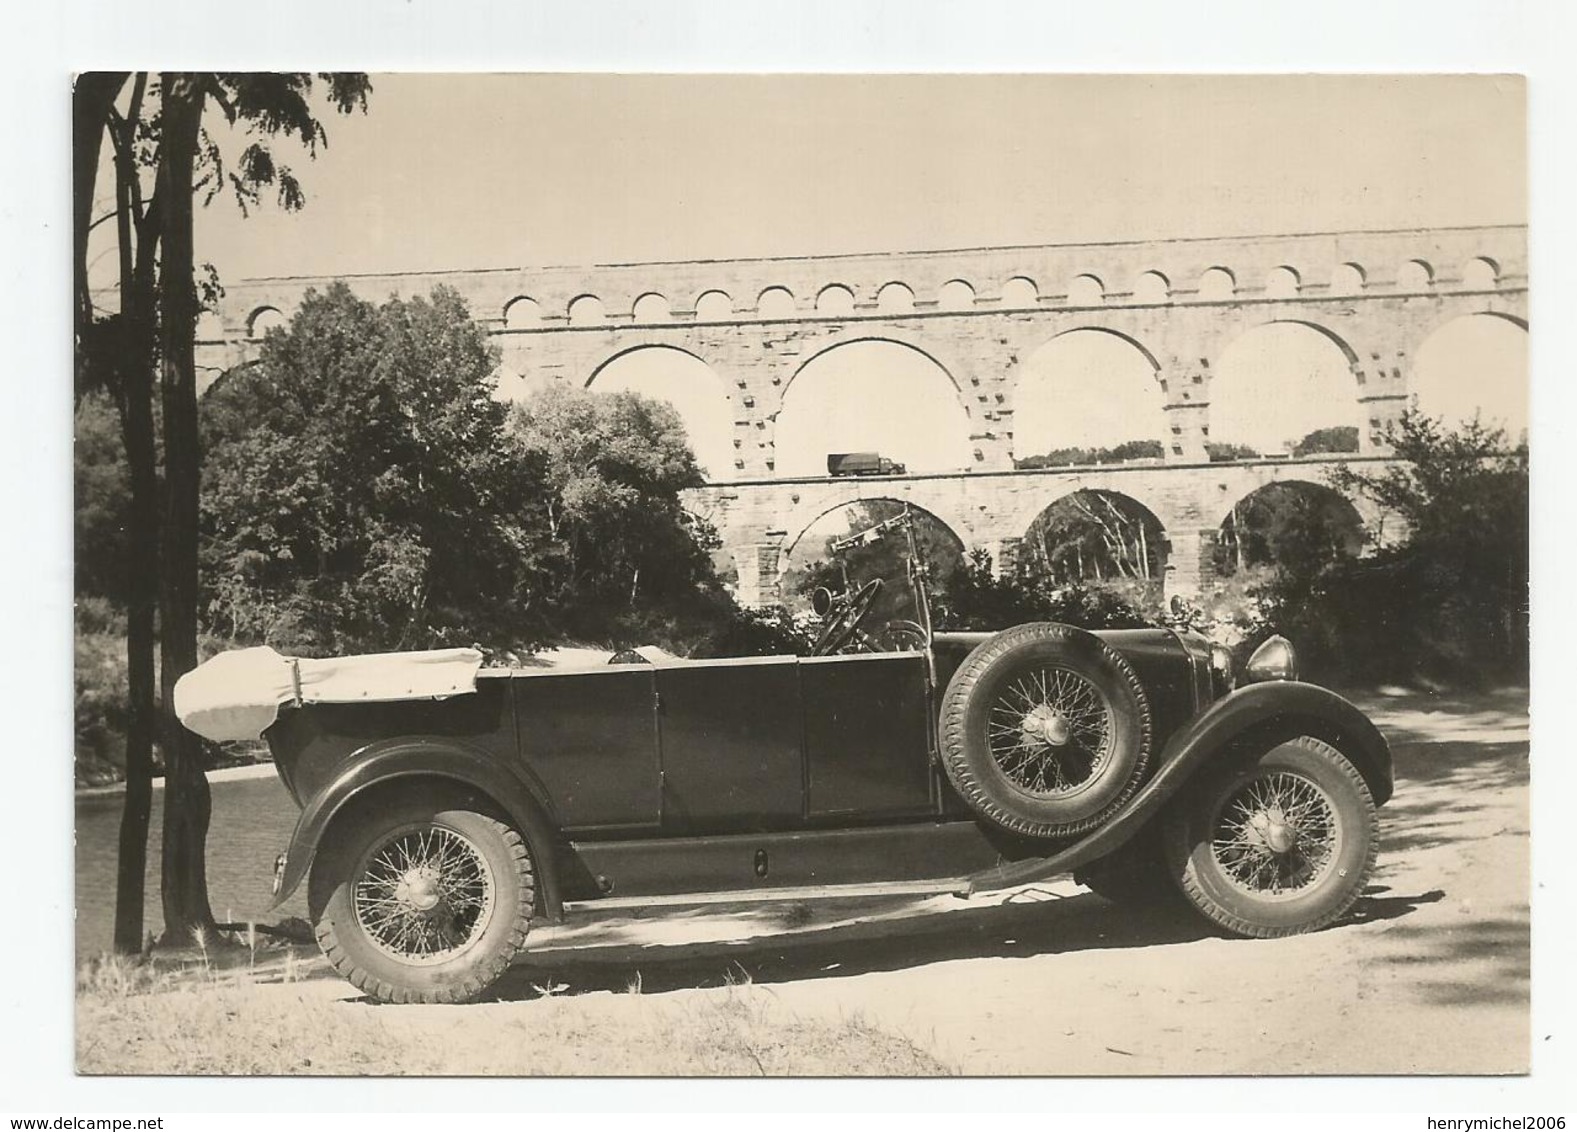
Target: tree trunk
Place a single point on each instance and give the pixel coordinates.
(186, 798)
(142, 597)
(1237, 538)
(91, 99)
(135, 389)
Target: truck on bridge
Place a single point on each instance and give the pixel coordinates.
(862, 464)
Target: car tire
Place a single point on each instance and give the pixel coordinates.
(1278, 844)
(1135, 875)
(1045, 730)
(418, 902)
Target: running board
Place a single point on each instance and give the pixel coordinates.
(953, 886)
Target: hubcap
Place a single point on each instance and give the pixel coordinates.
(424, 895)
(1050, 731)
(419, 889)
(1276, 835)
(1046, 725)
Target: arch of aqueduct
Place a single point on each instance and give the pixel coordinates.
(979, 313)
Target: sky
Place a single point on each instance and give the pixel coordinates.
(511, 170)
(492, 170)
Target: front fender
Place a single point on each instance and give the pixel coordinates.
(1283, 708)
(389, 760)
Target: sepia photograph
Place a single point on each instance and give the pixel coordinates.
(800, 575)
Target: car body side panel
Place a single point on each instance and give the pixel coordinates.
(732, 746)
(867, 742)
(310, 744)
(787, 859)
(591, 737)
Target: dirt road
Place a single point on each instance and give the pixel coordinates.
(1430, 975)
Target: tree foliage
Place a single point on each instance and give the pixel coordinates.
(102, 492)
(1095, 536)
(1303, 526)
(359, 493)
(1339, 438)
(1222, 452)
(619, 540)
(365, 492)
(1117, 454)
(1449, 601)
(977, 598)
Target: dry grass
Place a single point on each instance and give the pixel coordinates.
(194, 1017)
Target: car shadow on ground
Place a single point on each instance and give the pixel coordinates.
(777, 945)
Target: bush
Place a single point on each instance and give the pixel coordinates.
(102, 705)
(974, 599)
(1447, 605)
(1220, 453)
(1070, 457)
(1340, 438)
(759, 632)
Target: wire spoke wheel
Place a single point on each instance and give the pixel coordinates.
(1045, 730)
(1283, 842)
(1050, 731)
(1277, 836)
(424, 895)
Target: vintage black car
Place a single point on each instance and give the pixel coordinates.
(448, 807)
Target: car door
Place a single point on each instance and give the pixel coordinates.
(590, 738)
(867, 738)
(731, 745)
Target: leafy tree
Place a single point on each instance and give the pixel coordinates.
(268, 106)
(1065, 457)
(978, 599)
(1221, 452)
(620, 542)
(163, 156)
(102, 491)
(117, 354)
(1340, 438)
(1448, 601)
(1459, 580)
(361, 493)
(1302, 527)
(1095, 536)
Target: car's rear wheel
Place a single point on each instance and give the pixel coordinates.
(416, 902)
(1278, 844)
(1045, 730)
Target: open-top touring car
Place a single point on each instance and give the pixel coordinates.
(447, 807)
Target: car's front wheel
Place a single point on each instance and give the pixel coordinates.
(417, 902)
(1278, 844)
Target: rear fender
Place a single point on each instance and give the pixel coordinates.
(1260, 713)
(387, 761)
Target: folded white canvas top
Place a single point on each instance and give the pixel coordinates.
(237, 694)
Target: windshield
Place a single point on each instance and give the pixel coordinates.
(871, 540)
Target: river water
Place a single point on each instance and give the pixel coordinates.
(251, 825)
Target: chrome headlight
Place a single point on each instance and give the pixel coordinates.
(1276, 659)
(1221, 666)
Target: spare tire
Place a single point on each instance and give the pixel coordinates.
(1045, 730)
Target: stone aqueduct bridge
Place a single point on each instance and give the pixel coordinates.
(979, 313)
